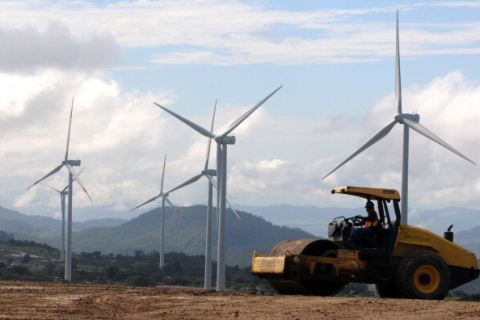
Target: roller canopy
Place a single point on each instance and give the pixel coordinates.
(369, 193)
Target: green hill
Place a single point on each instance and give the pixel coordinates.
(185, 235)
(38, 227)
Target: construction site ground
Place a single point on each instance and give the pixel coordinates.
(56, 300)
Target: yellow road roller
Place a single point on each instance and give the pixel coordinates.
(402, 261)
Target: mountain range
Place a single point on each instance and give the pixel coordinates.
(183, 233)
(315, 219)
(259, 230)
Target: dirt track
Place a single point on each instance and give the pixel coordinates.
(31, 300)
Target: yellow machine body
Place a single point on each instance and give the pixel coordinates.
(403, 261)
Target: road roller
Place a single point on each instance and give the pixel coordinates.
(402, 261)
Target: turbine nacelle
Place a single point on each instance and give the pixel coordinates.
(73, 163)
(225, 139)
(210, 172)
(412, 117)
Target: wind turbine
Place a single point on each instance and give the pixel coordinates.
(164, 197)
(409, 121)
(222, 140)
(212, 183)
(62, 193)
(71, 176)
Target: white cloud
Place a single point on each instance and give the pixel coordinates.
(27, 48)
(121, 138)
(224, 33)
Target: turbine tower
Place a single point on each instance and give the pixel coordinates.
(212, 183)
(62, 193)
(164, 197)
(409, 121)
(222, 140)
(71, 176)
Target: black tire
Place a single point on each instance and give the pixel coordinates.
(288, 287)
(387, 290)
(423, 275)
(308, 287)
(322, 288)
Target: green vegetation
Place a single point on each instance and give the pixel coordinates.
(30, 247)
(20, 260)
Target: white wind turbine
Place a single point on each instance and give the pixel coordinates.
(408, 121)
(164, 197)
(71, 176)
(62, 193)
(222, 140)
(209, 174)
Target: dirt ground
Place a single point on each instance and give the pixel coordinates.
(34, 300)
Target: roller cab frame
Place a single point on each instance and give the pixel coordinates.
(402, 261)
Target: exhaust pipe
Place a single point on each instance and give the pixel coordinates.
(448, 234)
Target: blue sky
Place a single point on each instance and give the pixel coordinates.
(335, 60)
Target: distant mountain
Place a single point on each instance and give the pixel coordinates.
(309, 218)
(185, 234)
(258, 231)
(39, 226)
(315, 219)
(469, 239)
(438, 220)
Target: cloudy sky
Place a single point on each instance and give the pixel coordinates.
(336, 62)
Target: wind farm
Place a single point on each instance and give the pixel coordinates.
(222, 140)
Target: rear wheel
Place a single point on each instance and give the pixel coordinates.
(423, 275)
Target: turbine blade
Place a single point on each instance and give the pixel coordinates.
(189, 123)
(237, 122)
(430, 135)
(48, 175)
(51, 188)
(148, 201)
(163, 173)
(378, 136)
(171, 204)
(66, 187)
(75, 175)
(69, 127)
(186, 183)
(210, 139)
(398, 84)
(214, 184)
(231, 207)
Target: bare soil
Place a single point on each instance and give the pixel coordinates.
(36, 300)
